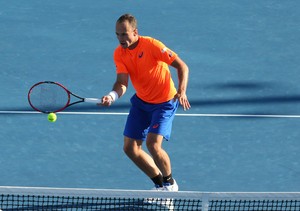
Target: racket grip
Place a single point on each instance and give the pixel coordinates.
(92, 100)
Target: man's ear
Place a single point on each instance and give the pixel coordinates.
(136, 33)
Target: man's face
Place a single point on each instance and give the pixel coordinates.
(126, 34)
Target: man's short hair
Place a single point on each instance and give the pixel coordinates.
(130, 18)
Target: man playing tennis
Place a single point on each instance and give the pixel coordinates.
(145, 60)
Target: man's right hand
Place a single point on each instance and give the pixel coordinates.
(106, 100)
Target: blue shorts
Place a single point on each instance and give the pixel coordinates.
(147, 118)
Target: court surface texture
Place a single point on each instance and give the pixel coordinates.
(241, 134)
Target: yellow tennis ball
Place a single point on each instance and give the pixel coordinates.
(52, 117)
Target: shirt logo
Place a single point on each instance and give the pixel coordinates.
(141, 55)
(155, 126)
(164, 50)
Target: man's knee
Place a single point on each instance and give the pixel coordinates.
(131, 147)
(153, 143)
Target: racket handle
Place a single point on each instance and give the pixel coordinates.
(92, 100)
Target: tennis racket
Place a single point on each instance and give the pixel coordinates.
(49, 96)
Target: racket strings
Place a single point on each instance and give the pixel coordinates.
(49, 97)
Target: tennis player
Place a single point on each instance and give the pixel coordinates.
(146, 61)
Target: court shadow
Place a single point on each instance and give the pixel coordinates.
(280, 99)
(82, 107)
(240, 85)
(256, 97)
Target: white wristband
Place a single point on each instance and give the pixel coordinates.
(114, 95)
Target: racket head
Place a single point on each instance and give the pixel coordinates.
(48, 97)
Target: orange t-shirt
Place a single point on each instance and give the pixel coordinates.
(147, 66)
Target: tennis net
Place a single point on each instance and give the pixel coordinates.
(34, 198)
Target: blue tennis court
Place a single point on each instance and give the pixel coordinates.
(242, 133)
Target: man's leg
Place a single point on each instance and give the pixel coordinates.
(133, 149)
(162, 160)
(160, 156)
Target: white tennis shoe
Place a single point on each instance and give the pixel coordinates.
(168, 203)
(169, 187)
(158, 188)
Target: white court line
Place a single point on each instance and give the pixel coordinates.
(178, 114)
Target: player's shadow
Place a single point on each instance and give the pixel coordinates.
(95, 108)
(256, 97)
(279, 99)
